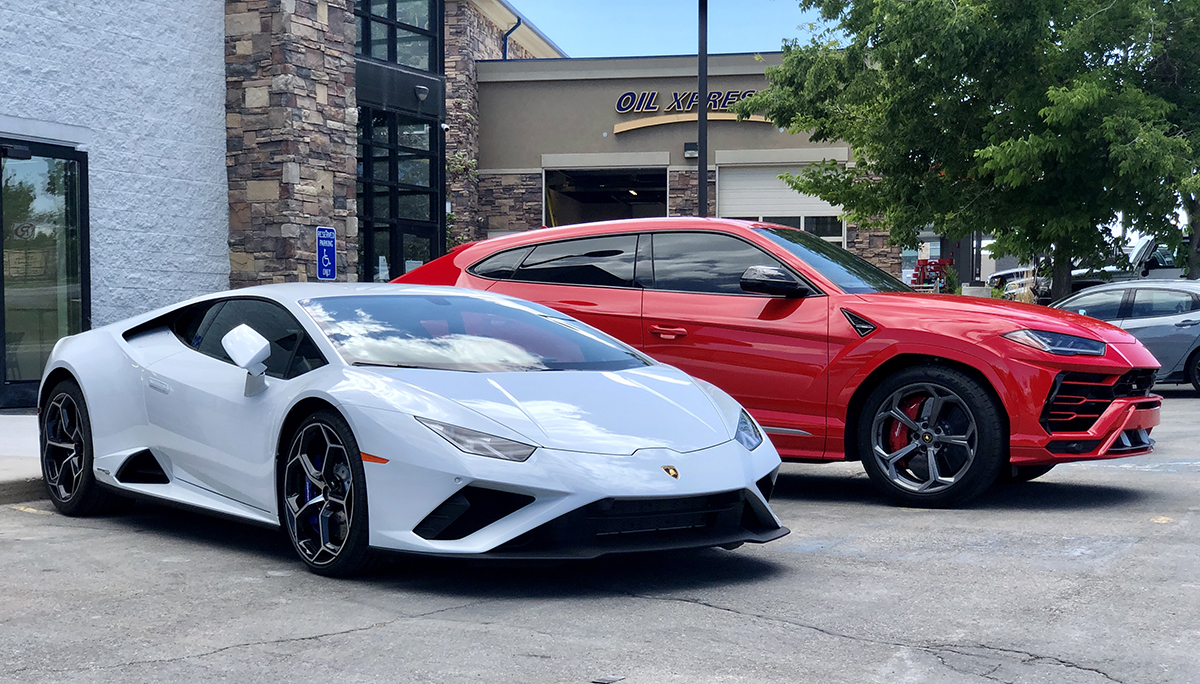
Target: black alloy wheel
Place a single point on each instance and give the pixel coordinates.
(1193, 370)
(66, 443)
(932, 436)
(324, 497)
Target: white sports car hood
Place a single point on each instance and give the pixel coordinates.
(615, 412)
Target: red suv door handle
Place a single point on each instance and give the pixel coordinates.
(667, 332)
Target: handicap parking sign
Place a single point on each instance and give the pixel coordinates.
(326, 253)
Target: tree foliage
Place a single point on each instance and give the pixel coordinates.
(1031, 120)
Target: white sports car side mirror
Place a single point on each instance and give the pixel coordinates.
(248, 350)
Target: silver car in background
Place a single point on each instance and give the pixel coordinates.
(1163, 314)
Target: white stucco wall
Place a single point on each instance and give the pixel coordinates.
(141, 84)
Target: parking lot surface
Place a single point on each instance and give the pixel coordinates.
(1089, 574)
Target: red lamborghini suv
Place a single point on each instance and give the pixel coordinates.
(937, 395)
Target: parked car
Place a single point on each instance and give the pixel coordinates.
(426, 420)
(937, 395)
(1164, 315)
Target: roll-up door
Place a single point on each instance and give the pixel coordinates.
(756, 191)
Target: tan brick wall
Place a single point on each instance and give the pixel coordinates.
(683, 193)
(290, 134)
(469, 36)
(873, 246)
(510, 201)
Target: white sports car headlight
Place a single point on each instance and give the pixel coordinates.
(480, 443)
(747, 432)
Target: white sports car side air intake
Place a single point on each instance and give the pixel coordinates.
(418, 419)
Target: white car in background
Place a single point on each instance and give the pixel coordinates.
(407, 418)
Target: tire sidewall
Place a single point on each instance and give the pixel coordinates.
(992, 440)
(355, 554)
(1193, 370)
(81, 501)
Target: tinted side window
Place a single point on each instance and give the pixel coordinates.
(191, 324)
(1149, 303)
(500, 266)
(704, 262)
(269, 320)
(605, 261)
(1103, 305)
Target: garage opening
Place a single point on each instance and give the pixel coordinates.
(582, 196)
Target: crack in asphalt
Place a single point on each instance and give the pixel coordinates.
(265, 642)
(936, 650)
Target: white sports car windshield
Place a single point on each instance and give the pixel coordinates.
(462, 333)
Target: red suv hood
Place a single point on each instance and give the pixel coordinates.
(977, 318)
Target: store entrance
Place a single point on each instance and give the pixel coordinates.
(582, 196)
(43, 284)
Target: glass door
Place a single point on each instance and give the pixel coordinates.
(43, 275)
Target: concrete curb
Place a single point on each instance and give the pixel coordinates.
(17, 491)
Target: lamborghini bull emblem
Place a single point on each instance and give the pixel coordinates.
(672, 471)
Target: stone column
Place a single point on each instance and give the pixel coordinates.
(873, 246)
(291, 135)
(684, 193)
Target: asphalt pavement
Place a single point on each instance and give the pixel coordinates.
(1086, 575)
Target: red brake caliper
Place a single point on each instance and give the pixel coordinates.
(900, 436)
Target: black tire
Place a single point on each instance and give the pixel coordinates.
(962, 434)
(65, 437)
(1193, 370)
(332, 539)
(1019, 474)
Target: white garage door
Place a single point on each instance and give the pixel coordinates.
(757, 192)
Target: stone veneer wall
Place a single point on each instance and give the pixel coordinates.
(469, 36)
(291, 135)
(683, 193)
(873, 246)
(509, 201)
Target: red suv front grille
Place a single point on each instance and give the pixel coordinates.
(1078, 399)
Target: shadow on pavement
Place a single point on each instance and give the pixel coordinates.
(621, 573)
(1049, 495)
(1175, 391)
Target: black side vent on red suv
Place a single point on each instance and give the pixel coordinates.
(1077, 400)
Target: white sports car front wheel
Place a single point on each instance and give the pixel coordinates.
(324, 497)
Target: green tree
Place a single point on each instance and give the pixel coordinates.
(1026, 120)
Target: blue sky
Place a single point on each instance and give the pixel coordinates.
(612, 28)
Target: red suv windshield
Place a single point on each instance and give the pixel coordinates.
(849, 272)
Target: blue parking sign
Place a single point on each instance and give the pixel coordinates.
(326, 253)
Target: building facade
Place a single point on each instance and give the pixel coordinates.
(151, 156)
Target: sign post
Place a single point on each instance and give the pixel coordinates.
(326, 253)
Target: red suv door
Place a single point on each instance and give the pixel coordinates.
(770, 353)
(590, 278)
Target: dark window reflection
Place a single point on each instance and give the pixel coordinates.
(704, 262)
(606, 261)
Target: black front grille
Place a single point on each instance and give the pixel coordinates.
(1077, 400)
(630, 524)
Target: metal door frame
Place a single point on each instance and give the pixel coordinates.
(23, 394)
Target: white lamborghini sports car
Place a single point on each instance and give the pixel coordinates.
(391, 417)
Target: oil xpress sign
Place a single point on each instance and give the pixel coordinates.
(326, 253)
(654, 101)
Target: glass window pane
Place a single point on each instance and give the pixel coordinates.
(380, 207)
(40, 234)
(704, 262)
(500, 266)
(1148, 303)
(414, 135)
(413, 13)
(379, 170)
(379, 40)
(379, 8)
(412, 49)
(1103, 305)
(413, 170)
(415, 206)
(269, 320)
(383, 256)
(793, 221)
(358, 38)
(416, 251)
(823, 226)
(606, 261)
(380, 121)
